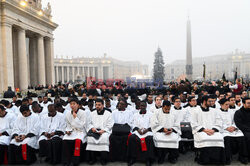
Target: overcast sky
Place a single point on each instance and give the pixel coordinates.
(133, 29)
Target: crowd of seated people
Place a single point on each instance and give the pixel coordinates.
(150, 127)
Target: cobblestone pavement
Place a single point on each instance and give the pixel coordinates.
(183, 160)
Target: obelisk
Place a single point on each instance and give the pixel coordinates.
(189, 66)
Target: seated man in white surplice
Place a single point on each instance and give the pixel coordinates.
(24, 137)
(141, 143)
(74, 139)
(166, 133)
(206, 125)
(100, 127)
(233, 137)
(120, 131)
(6, 125)
(51, 134)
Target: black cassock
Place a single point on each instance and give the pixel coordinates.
(242, 121)
(3, 154)
(51, 147)
(17, 154)
(141, 146)
(119, 142)
(73, 153)
(138, 150)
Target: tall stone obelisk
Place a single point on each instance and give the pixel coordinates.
(189, 65)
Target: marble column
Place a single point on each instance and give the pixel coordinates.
(68, 74)
(100, 72)
(49, 59)
(111, 72)
(62, 74)
(52, 60)
(41, 60)
(90, 68)
(77, 72)
(87, 72)
(73, 73)
(15, 57)
(96, 73)
(33, 61)
(57, 74)
(81, 71)
(93, 72)
(7, 56)
(22, 59)
(1, 62)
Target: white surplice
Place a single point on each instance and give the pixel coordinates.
(6, 125)
(25, 125)
(122, 117)
(142, 121)
(161, 120)
(51, 124)
(14, 110)
(46, 104)
(153, 109)
(206, 120)
(228, 121)
(102, 122)
(188, 113)
(78, 126)
(180, 113)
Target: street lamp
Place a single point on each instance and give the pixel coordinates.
(40, 13)
(23, 3)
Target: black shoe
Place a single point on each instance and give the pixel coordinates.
(161, 160)
(131, 162)
(42, 159)
(47, 160)
(148, 163)
(183, 150)
(196, 159)
(91, 162)
(173, 160)
(103, 162)
(228, 162)
(66, 164)
(243, 160)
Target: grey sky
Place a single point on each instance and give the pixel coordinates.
(133, 29)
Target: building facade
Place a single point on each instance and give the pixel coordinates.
(215, 67)
(104, 68)
(26, 44)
